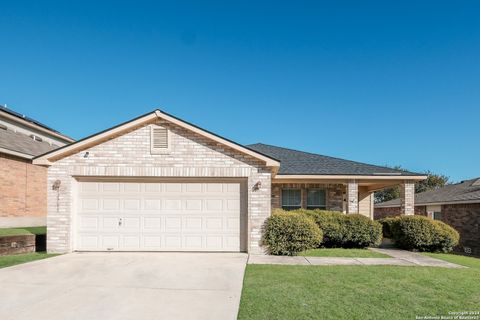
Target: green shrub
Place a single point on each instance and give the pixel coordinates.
(361, 232)
(290, 233)
(341, 230)
(445, 237)
(332, 223)
(387, 224)
(423, 234)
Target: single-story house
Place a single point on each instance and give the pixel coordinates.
(159, 183)
(455, 204)
(23, 186)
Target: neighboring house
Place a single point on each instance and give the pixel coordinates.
(455, 204)
(158, 183)
(23, 186)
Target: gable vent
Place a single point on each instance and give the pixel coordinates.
(159, 139)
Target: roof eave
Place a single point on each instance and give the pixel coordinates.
(16, 153)
(37, 127)
(350, 176)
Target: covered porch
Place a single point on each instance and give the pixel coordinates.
(347, 194)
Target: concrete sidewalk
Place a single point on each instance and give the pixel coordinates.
(399, 258)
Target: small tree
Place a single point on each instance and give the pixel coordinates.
(434, 181)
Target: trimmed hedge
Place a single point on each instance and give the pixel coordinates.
(332, 224)
(361, 232)
(422, 234)
(338, 230)
(290, 233)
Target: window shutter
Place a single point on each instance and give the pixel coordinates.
(159, 138)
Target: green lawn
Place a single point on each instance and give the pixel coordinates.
(340, 252)
(7, 261)
(359, 292)
(22, 231)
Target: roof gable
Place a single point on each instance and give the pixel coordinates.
(90, 141)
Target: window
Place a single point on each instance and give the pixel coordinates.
(437, 216)
(291, 199)
(316, 199)
(159, 139)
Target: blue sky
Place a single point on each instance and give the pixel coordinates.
(381, 82)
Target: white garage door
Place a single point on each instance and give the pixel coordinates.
(149, 216)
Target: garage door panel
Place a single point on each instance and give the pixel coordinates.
(131, 187)
(110, 223)
(131, 223)
(110, 242)
(192, 224)
(131, 242)
(214, 223)
(89, 242)
(89, 204)
(152, 204)
(88, 223)
(152, 223)
(111, 204)
(158, 216)
(172, 205)
(173, 224)
(152, 242)
(131, 204)
(109, 187)
(173, 242)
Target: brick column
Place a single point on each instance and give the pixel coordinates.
(407, 198)
(352, 197)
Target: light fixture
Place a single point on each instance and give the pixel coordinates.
(56, 185)
(86, 154)
(257, 186)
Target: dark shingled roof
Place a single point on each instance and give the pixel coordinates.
(22, 143)
(294, 162)
(468, 190)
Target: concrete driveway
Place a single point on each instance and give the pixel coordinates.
(124, 286)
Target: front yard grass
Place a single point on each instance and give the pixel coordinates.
(340, 252)
(359, 292)
(22, 231)
(7, 261)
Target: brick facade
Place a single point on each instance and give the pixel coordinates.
(465, 218)
(128, 155)
(23, 192)
(380, 213)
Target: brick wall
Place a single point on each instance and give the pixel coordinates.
(128, 155)
(334, 194)
(465, 218)
(23, 189)
(380, 213)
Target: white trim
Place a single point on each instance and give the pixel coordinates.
(349, 177)
(15, 153)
